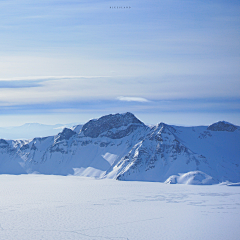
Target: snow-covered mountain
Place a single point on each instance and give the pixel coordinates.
(121, 146)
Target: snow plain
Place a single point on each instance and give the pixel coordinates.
(72, 207)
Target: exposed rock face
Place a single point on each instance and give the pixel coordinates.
(121, 146)
(94, 128)
(157, 155)
(3, 143)
(222, 126)
(65, 134)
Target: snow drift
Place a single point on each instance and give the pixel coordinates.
(193, 178)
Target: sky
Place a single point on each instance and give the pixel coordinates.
(165, 61)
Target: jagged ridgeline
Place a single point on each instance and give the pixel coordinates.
(122, 147)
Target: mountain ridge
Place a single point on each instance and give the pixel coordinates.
(122, 147)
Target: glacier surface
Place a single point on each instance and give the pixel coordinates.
(71, 207)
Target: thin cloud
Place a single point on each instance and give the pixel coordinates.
(133, 99)
(37, 81)
(19, 84)
(48, 78)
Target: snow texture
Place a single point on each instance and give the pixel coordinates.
(70, 207)
(193, 178)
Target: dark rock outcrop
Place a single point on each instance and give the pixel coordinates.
(94, 128)
(66, 134)
(222, 126)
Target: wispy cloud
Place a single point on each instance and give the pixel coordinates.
(37, 81)
(19, 84)
(133, 99)
(47, 89)
(45, 78)
(83, 52)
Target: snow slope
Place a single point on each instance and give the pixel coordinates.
(66, 207)
(121, 146)
(170, 150)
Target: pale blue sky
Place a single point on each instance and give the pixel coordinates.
(68, 61)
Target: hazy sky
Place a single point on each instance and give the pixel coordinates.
(174, 61)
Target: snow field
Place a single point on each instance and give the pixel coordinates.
(71, 207)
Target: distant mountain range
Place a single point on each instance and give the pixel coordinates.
(32, 130)
(122, 147)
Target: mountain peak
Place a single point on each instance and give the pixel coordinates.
(65, 134)
(222, 126)
(95, 127)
